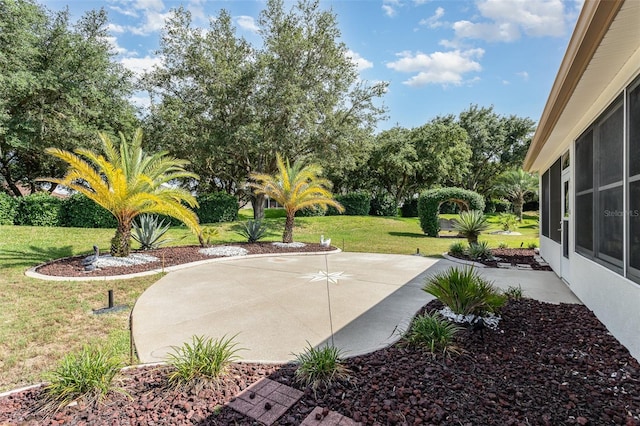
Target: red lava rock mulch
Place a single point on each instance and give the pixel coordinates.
(546, 365)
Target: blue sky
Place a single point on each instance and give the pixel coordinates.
(438, 56)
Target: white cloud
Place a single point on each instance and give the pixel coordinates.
(141, 65)
(524, 75)
(507, 19)
(247, 23)
(141, 101)
(115, 28)
(359, 61)
(115, 47)
(156, 5)
(154, 21)
(123, 11)
(389, 10)
(419, 2)
(434, 20)
(196, 7)
(438, 67)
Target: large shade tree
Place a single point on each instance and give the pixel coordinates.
(127, 182)
(59, 85)
(295, 187)
(515, 185)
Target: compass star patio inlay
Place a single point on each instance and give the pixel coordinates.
(332, 277)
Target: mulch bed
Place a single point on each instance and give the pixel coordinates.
(512, 256)
(167, 256)
(546, 365)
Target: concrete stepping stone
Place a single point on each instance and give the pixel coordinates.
(265, 400)
(325, 417)
(523, 266)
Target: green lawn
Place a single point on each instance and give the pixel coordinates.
(40, 321)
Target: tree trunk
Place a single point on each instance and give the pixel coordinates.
(517, 208)
(287, 236)
(121, 241)
(472, 238)
(257, 202)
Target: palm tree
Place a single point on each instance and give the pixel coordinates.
(514, 185)
(128, 182)
(295, 187)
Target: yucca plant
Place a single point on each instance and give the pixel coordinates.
(470, 224)
(148, 231)
(433, 332)
(203, 360)
(252, 230)
(479, 251)
(465, 292)
(87, 374)
(457, 249)
(320, 366)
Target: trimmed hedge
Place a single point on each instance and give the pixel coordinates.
(81, 212)
(354, 203)
(217, 207)
(8, 209)
(383, 205)
(429, 204)
(39, 209)
(311, 212)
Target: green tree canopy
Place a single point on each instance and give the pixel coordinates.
(58, 87)
(515, 185)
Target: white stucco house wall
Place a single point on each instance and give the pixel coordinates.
(587, 151)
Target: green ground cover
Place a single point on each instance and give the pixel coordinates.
(41, 321)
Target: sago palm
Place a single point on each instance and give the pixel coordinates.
(295, 187)
(128, 182)
(514, 185)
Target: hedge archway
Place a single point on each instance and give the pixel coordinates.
(430, 201)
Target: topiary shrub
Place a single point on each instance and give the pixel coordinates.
(8, 209)
(39, 209)
(79, 211)
(217, 207)
(354, 203)
(429, 205)
(410, 208)
(383, 205)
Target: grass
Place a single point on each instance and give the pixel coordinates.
(42, 321)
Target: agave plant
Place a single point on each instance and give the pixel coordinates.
(148, 231)
(470, 224)
(253, 230)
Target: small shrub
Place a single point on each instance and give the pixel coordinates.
(457, 248)
(39, 209)
(465, 292)
(383, 205)
(433, 332)
(88, 374)
(207, 233)
(470, 224)
(148, 231)
(532, 245)
(313, 211)
(8, 209)
(320, 367)
(503, 245)
(217, 207)
(354, 203)
(514, 293)
(79, 211)
(253, 230)
(508, 221)
(502, 206)
(480, 251)
(203, 360)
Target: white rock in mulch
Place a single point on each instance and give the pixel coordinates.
(226, 251)
(289, 245)
(133, 259)
(491, 321)
(505, 233)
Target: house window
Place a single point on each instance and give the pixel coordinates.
(555, 202)
(633, 229)
(583, 212)
(544, 225)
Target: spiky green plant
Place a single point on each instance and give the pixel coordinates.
(320, 366)
(148, 231)
(470, 224)
(465, 292)
(206, 234)
(480, 251)
(204, 359)
(457, 248)
(433, 332)
(514, 293)
(252, 230)
(87, 374)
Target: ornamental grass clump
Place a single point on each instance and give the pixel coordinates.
(86, 375)
(433, 332)
(320, 366)
(465, 292)
(204, 360)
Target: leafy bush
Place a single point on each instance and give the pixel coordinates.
(311, 212)
(39, 209)
(470, 224)
(433, 332)
(8, 209)
(383, 205)
(217, 207)
(320, 367)
(489, 207)
(81, 212)
(465, 292)
(502, 206)
(503, 245)
(429, 203)
(88, 374)
(354, 203)
(532, 245)
(205, 359)
(479, 251)
(508, 221)
(253, 230)
(457, 248)
(410, 208)
(148, 231)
